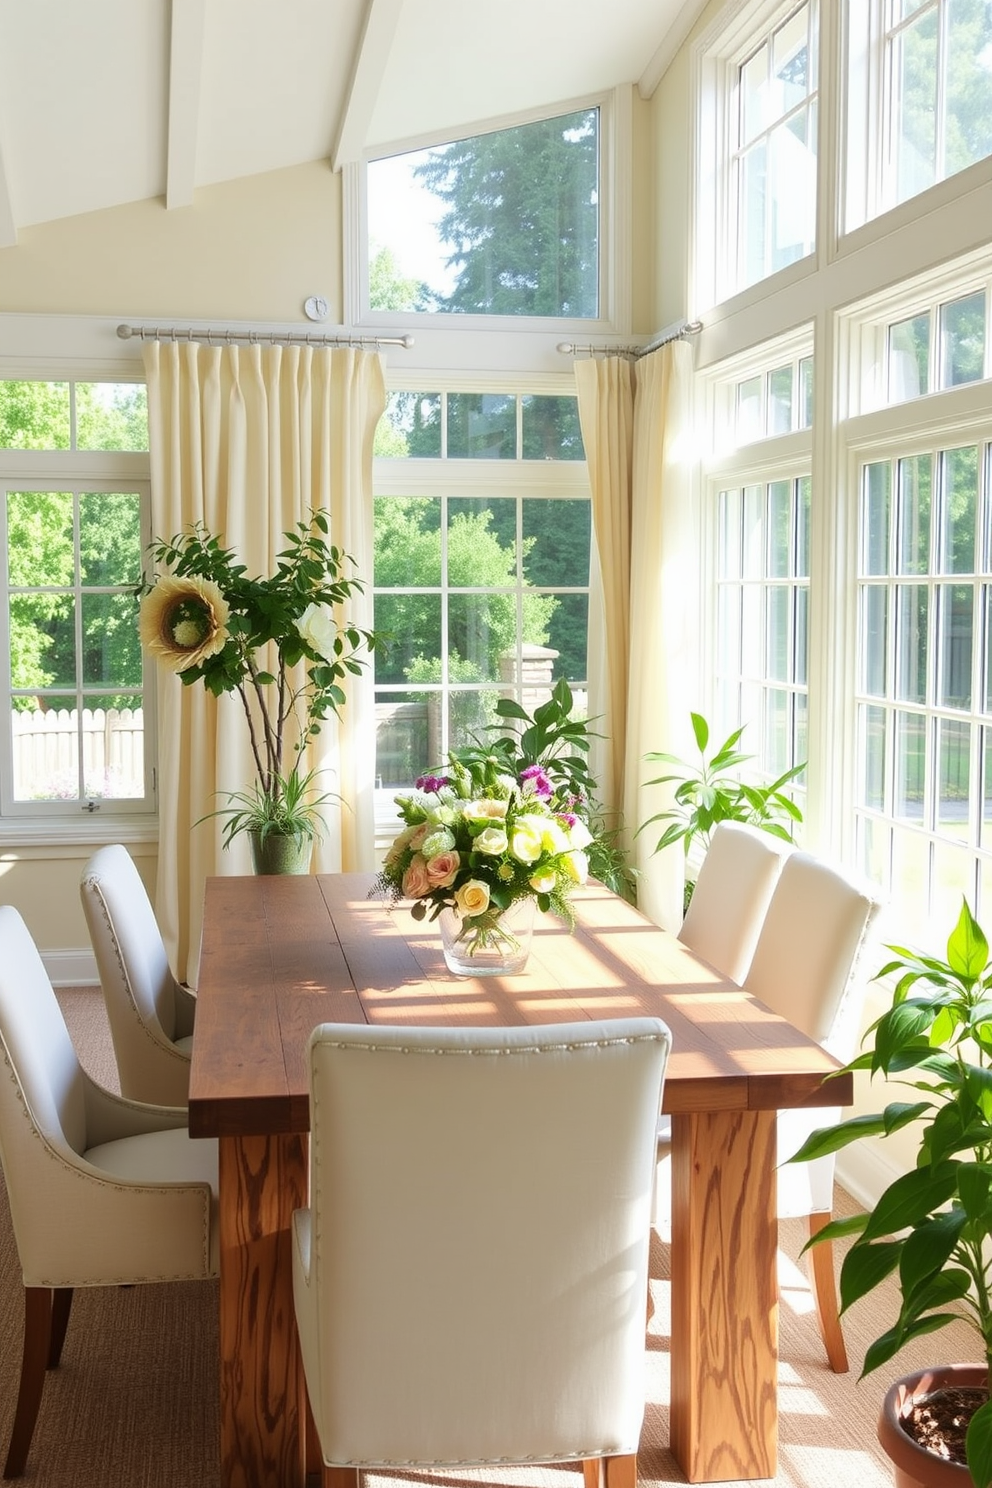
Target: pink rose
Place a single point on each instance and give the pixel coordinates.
(418, 834)
(416, 882)
(441, 870)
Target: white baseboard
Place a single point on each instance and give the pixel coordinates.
(71, 968)
(865, 1171)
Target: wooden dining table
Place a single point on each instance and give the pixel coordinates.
(281, 955)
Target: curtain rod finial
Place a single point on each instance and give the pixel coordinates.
(125, 332)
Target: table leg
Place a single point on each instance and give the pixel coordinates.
(724, 1412)
(262, 1435)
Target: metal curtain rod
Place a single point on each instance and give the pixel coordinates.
(673, 332)
(256, 338)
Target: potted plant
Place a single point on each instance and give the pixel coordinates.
(933, 1225)
(712, 791)
(278, 643)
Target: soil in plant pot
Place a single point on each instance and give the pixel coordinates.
(938, 1422)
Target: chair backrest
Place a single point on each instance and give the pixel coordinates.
(816, 924)
(138, 985)
(481, 1203)
(42, 1100)
(732, 893)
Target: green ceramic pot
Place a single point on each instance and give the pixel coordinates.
(280, 853)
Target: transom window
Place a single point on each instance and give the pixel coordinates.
(501, 223)
(774, 162)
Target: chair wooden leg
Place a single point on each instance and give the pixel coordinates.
(61, 1304)
(37, 1350)
(610, 1472)
(338, 1477)
(825, 1296)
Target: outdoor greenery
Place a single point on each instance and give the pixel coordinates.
(933, 1225)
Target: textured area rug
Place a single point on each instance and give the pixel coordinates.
(134, 1403)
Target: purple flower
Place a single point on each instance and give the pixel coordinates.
(432, 783)
(535, 782)
(568, 818)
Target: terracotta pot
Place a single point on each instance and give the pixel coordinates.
(914, 1466)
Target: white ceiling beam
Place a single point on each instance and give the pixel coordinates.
(381, 18)
(185, 74)
(8, 227)
(681, 22)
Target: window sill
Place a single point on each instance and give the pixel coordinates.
(60, 837)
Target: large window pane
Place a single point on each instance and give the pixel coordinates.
(959, 471)
(913, 536)
(34, 415)
(502, 223)
(912, 607)
(909, 358)
(968, 117)
(962, 340)
(910, 766)
(875, 525)
(551, 428)
(955, 614)
(875, 635)
(410, 427)
(953, 777)
(556, 542)
(482, 426)
(111, 416)
(915, 105)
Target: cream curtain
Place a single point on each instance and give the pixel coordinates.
(634, 422)
(248, 440)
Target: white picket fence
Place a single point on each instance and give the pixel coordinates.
(46, 752)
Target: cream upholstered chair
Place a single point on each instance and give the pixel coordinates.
(805, 968)
(151, 1014)
(732, 893)
(470, 1279)
(102, 1190)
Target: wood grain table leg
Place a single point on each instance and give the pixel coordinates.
(262, 1432)
(724, 1414)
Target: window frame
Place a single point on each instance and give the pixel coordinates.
(615, 164)
(47, 823)
(519, 478)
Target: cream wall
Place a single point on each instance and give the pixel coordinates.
(252, 249)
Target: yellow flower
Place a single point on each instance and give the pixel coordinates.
(473, 897)
(184, 622)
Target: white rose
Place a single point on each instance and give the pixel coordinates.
(491, 840)
(318, 628)
(484, 810)
(576, 865)
(526, 842)
(579, 835)
(542, 883)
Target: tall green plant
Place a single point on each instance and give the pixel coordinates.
(712, 791)
(933, 1225)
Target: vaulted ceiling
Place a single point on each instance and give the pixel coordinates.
(104, 102)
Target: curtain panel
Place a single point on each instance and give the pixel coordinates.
(634, 419)
(248, 440)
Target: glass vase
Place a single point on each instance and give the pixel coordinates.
(496, 943)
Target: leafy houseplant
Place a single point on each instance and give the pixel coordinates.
(507, 822)
(711, 791)
(277, 642)
(933, 1225)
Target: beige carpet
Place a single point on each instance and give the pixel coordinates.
(134, 1403)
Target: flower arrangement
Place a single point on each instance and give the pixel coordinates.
(208, 620)
(498, 826)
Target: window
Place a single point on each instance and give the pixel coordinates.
(925, 684)
(774, 163)
(762, 605)
(757, 160)
(503, 223)
(920, 74)
(73, 520)
(482, 536)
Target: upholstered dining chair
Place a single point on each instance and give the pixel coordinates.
(805, 968)
(102, 1191)
(151, 1014)
(732, 893)
(469, 1280)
